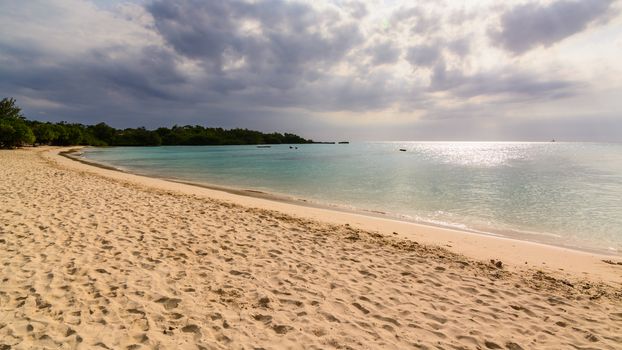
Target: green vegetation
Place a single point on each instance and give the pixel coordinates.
(16, 131)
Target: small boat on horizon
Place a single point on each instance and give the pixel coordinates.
(263, 146)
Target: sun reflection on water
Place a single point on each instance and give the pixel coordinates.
(473, 154)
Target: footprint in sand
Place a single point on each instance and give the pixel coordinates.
(263, 318)
(281, 329)
(361, 308)
(168, 303)
(191, 328)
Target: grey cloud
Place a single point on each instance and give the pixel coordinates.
(288, 45)
(530, 25)
(385, 52)
(357, 9)
(460, 47)
(335, 93)
(424, 55)
(288, 63)
(99, 84)
(518, 85)
(205, 32)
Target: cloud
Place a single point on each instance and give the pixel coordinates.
(424, 55)
(419, 19)
(510, 83)
(308, 67)
(527, 26)
(385, 52)
(269, 38)
(460, 46)
(357, 9)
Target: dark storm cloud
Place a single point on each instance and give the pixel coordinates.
(287, 63)
(530, 25)
(149, 73)
(97, 85)
(289, 52)
(288, 41)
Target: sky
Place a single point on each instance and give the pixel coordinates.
(528, 70)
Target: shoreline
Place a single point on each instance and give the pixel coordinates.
(284, 198)
(517, 253)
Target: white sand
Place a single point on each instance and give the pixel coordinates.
(93, 258)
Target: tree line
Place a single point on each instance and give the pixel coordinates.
(17, 131)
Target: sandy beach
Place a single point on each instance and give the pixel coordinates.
(94, 258)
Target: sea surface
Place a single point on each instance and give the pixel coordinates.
(566, 194)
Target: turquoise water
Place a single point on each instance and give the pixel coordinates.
(567, 194)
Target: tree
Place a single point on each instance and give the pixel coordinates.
(137, 137)
(9, 110)
(45, 133)
(68, 134)
(103, 132)
(14, 132)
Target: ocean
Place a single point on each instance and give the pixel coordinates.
(565, 194)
